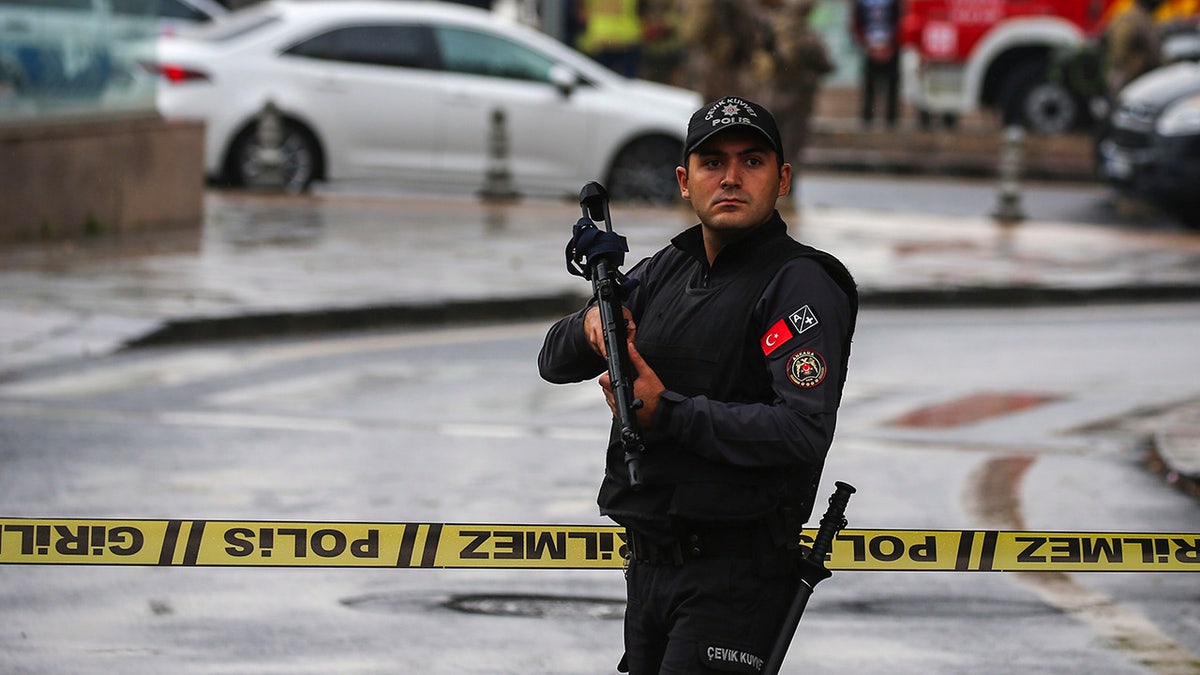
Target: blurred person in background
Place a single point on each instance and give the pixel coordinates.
(1132, 45)
(721, 37)
(662, 54)
(875, 25)
(790, 67)
(612, 34)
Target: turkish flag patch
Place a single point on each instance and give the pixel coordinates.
(776, 336)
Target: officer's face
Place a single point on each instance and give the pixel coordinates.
(733, 181)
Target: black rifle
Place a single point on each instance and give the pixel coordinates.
(597, 256)
(812, 572)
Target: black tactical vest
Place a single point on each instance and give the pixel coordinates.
(700, 341)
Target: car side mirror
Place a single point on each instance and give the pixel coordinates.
(564, 79)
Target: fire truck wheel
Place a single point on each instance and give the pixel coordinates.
(1038, 104)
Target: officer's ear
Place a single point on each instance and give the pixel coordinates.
(681, 175)
(785, 179)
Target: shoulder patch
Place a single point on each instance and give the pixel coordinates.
(775, 337)
(806, 369)
(803, 319)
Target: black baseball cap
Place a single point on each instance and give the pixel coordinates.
(728, 113)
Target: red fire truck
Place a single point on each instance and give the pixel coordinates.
(963, 55)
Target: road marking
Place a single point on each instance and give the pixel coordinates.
(972, 409)
(235, 420)
(994, 499)
(177, 368)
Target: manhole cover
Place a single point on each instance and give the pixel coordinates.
(942, 608)
(492, 604)
(538, 606)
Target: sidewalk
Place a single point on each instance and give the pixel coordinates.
(974, 148)
(273, 264)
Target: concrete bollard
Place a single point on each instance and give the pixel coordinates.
(498, 182)
(268, 137)
(1009, 210)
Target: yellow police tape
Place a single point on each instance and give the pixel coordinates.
(225, 543)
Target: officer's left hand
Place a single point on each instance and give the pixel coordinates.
(646, 386)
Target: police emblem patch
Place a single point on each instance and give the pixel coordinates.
(806, 369)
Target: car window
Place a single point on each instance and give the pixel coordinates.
(477, 53)
(142, 8)
(237, 24)
(173, 9)
(405, 46)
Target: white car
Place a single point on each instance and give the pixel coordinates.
(406, 94)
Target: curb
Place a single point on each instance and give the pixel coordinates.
(208, 329)
(1160, 464)
(1159, 457)
(1026, 296)
(976, 152)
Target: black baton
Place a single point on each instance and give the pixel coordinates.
(812, 572)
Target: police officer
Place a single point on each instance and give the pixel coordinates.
(740, 337)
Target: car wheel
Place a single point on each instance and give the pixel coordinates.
(1038, 104)
(1049, 108)
(645, 171)
(12, 80)
(298, 160)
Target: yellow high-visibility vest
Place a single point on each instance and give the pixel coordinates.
(611, 24)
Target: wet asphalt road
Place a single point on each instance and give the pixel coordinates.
(454, 426)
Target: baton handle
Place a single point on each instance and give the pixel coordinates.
(812, 572)
(832, 522)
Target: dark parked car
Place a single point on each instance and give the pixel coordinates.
(1151, 148)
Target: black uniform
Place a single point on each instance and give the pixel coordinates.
(752, 352)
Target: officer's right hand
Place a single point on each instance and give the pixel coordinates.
(593, 327)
